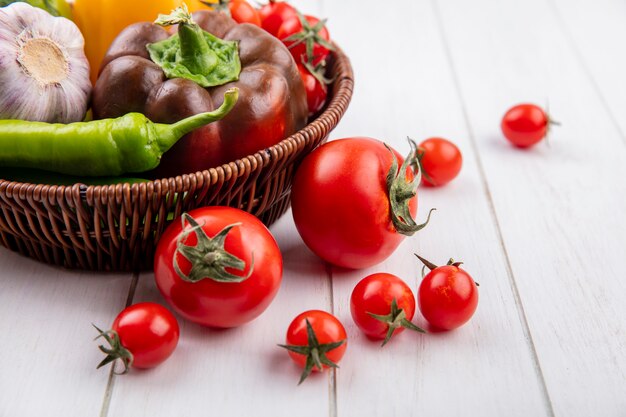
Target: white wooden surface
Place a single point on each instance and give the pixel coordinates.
(543, 231)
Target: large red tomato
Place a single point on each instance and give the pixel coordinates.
(354, 200)
(222, 269)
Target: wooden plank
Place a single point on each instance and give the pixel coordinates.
(560, 208)
(49, 358)
(595, 32)
(404, 87)
(239, 371)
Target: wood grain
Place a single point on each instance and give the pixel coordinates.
(49, 357)
(560, 208)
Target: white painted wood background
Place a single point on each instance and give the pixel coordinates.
(542, 230)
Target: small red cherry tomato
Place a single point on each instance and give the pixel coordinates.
(307, 39)
(382, 305)
(274, 14)
(525, 124)
(242, 12)
(142, 336)
(441, 161)
(447, 296)
(315, 340)
(218, 266)
(316, 91)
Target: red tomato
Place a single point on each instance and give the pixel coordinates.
(525, 124)
(441, 161)
(242, 12)
(342, 203)
(447, 296)
(274, 14)
(222, 270)
(142, 336)
(313, 36)
(315, 340)
(316, 91)
(382, 305)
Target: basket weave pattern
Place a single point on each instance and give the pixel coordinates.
(116, 227)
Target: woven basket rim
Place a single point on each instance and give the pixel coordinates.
(345, 82)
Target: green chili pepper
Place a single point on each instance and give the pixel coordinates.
(107, 147)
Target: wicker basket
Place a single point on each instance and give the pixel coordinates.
(116, 227)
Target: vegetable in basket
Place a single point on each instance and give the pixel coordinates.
(169, 78)
(44, 75)
(130, 143)
(54, 7)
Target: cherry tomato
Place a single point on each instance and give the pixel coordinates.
(315, 340)
(142, 336)
(382, 305)
(316, 91)
(313, 35)
(218, 266)
(447, 295)
(242, 12)
(274, 14)
(441, 161)
(346, 209)
(525, 124)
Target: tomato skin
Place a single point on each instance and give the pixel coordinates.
(340, 202)
(149, 331)
(274, 14)
(447, 297)
(374, 294)
(221, 304)
(525, 124)
(242, 12)
(316, 92)
(293, 26)
(441, 161)
(327, 329)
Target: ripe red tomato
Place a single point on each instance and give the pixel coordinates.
(307, 39)
(242, 12)
(346, 209)
(382, 305)
(315, 340)
(525, 124)
(142, 336)
(222, 269)
(316, 91)
(441, 161)
(274, 14)
(447, 295)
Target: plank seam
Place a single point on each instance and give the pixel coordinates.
(516, 295)
(332, 377)
(583, 64)
(108, 393)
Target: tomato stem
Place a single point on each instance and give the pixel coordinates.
(395, 319)
(314, 351)
(208, 258)
(115, 351)
(426, 262)
(401, 191)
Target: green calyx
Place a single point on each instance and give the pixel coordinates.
(194, 53)
(209, 259)
(315, 352)
(395, 319)
(401, 191)
(310, 36)
(114, 351)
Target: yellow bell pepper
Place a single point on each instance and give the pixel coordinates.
(101, 21)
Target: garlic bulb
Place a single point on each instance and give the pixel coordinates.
(44, 74)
